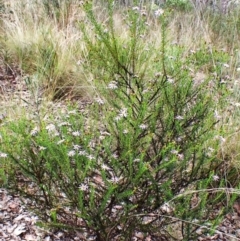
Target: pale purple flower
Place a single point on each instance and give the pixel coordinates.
(222, 139)
(112, 85)
(51, 128)
(216, 115)
(158, 12)
(171, 81)
(83, 187)
(55, 133)
(145, 91)
(226, 65)
(71, 153)
(99, 101)
(117, 118)
(123, 112)
(180, 157)
(65, 123)
(105, 167)
(72, 112)
(76, 147)
(34, 131)
(3, 155)
(136, 160)
(175, 152)
(90, 157)
(114, 156)
(60, 142)
(42, 148)
(166, 208)
(216, 177)
(143, 126)
(237, 104)
(211, 150)
(82, 153)
(135, 8)
(114, 179)
(125, 131)
(76, 133)
(179, 117)
(105, 133)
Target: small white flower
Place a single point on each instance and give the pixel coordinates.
(143, 126)
(71, 153)
(90, 157)
(175, 152)
(216, 177)
(216, 115)
(72, 112)
(76, 147)
(158, 74)
(237, 104)
(179, 139)
(136, 8)
(51, 128)
(92, 143)
(99, 101)
(105, 133)
(114, 179)
(123, 112)
(112, 85)
(60, 142)
(105, 167)
(180, 157)
(136, 160)
(125, 131)
(211, 150)
(83, 187)
(222, 139)
(65, 123)
(158, 12)
(166, 208)
(3, 155)
(76, 133)
(82, 153)
(145, 91)
(226, 65)
(42, 148)
(34, 131)
(55, 133)
(171, 81)
(143, 12)
(117, 118)
(179, 117)
(114, 156)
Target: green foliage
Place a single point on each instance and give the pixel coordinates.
(180, 5)
(225, 27)
(140, 156)
(212, 60)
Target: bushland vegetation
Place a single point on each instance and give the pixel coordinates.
(155, 153)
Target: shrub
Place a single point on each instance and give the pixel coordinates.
(140, 160)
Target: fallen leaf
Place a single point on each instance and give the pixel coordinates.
(30, 237)
(21, 216)
(19, 230)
